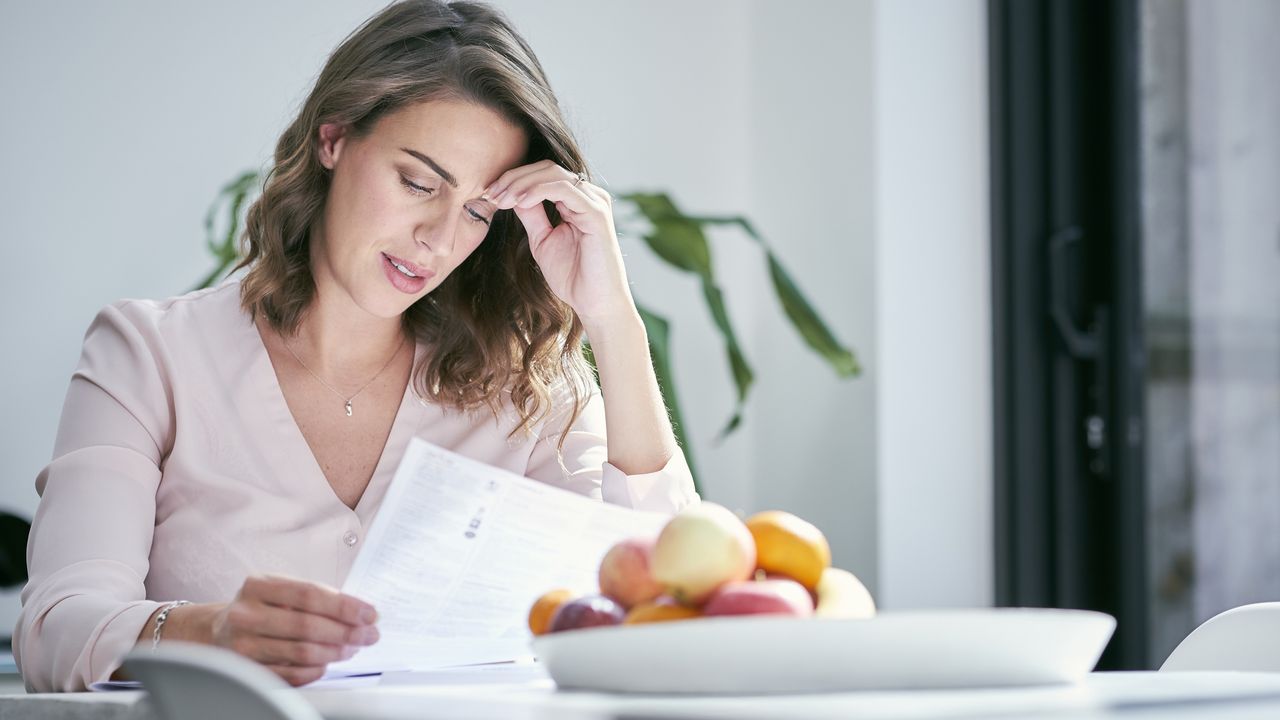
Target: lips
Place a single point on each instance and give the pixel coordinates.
(415, 269)
(402, 282)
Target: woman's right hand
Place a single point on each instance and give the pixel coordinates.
(293, 627)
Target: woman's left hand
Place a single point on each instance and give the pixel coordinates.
(580, 257)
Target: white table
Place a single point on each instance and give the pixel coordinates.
(524, 693)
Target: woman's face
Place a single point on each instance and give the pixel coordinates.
(404, 206)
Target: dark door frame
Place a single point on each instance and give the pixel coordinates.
(1067, 315)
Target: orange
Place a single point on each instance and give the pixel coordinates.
(544, 608)
(661, 610)
(788, 545)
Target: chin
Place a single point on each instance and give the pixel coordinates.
(385, 305)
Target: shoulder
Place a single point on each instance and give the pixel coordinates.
(207, 304)
(205, 313)
(139, 332)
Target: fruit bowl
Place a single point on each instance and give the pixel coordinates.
(764, 654)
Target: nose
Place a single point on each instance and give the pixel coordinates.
(438, 235)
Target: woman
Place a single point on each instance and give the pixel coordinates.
(424, 260)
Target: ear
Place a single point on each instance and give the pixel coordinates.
(332, 138)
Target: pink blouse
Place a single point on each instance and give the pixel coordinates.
(178, 471)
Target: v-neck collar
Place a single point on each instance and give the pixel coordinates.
(276, 407)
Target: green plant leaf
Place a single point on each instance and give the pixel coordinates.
(590, 355)
(798, 309)
(811, 327)
(681, 241)
(743, 377)
(659, 332)
(674, 237)
(232, 196)
(212, 277)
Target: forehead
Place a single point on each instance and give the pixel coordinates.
(471, 141)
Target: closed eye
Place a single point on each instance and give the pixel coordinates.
(415, 189)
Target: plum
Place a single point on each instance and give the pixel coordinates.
(587, 611)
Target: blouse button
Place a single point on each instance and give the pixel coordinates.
(350, 538)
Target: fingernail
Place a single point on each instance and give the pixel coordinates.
(368, 636)
(369, 615)
(349, 651)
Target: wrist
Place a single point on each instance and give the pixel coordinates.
(188, 623)
(623, 325)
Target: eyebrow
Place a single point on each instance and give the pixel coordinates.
(448, 176)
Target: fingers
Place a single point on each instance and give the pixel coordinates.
(586, 215)
(508, 178)
(520, 187)
(597, 192)
(309, 597)
(285, 624)
(270, 651)
(537, 226)
(297, 676)
(558, 191)
(295, 628)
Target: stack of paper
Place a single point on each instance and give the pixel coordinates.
(460, 550)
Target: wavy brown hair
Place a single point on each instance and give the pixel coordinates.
(493, 326)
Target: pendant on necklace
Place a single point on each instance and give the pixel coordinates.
(348, 408)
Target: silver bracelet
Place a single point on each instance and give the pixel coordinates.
(160, 620)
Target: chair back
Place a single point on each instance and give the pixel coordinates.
(1246, 638)
(201, 682)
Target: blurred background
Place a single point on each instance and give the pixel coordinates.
(1048, 230)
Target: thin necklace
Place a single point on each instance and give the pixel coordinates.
(362, 387)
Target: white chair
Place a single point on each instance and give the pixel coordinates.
(1246, 638)
(201, 682)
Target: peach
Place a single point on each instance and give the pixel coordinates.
(700, 549)
(625, 575)
(760, 597)
(842, 595)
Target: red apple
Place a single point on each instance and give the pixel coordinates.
(700, 549)
(762, 575)
(760, 597)
(587, 611)
(625, 575)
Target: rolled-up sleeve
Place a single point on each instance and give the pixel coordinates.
(85, 602)
(583, 466)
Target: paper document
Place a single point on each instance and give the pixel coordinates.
(460, 550)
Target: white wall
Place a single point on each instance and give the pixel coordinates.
(127, 118)
(812, 179)
(933, 304)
